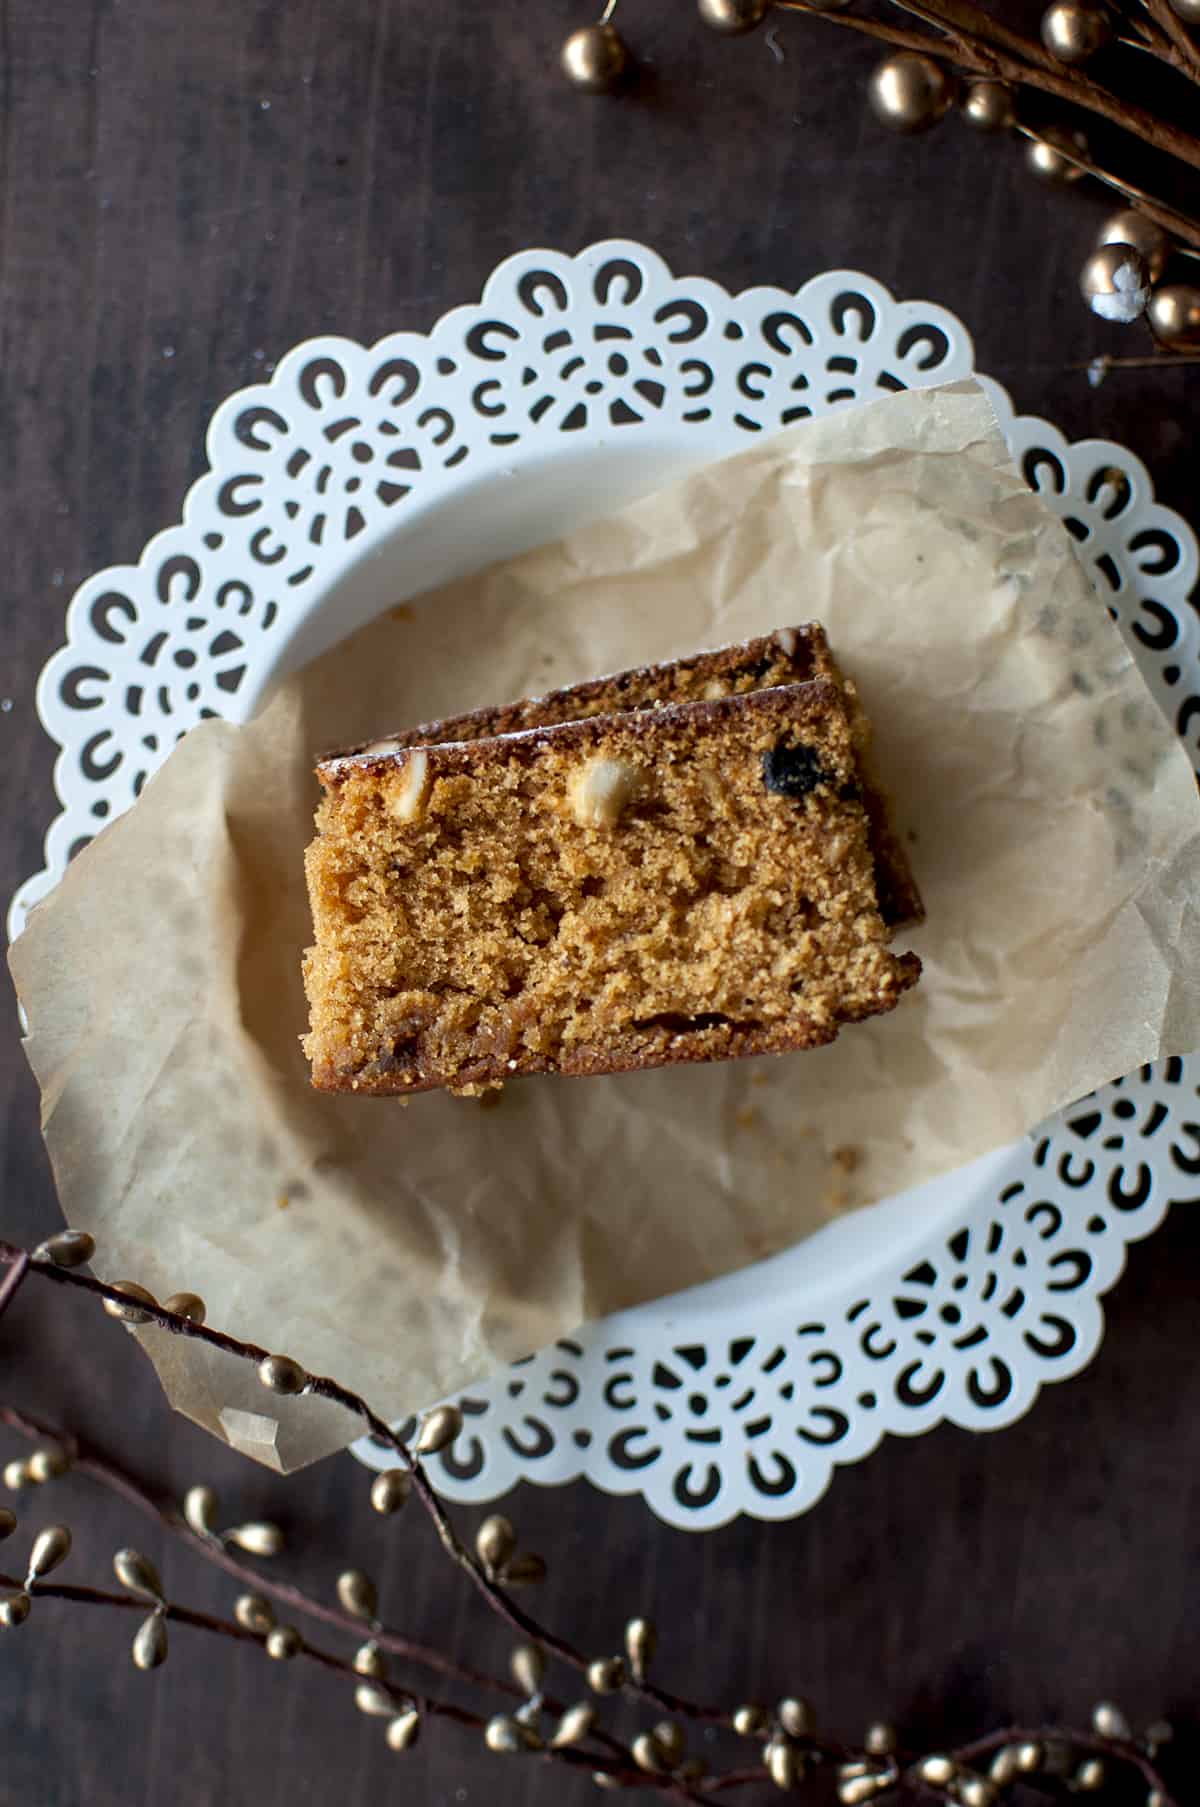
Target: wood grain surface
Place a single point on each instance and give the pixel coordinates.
(186, 191)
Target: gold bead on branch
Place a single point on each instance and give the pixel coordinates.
(1108, 1721)
(150, 1642)
(8, 1523)
(1174, 315)
(404, 1730)
(370, 1660)
(16, 1475)
(596, 57)
(1129, 227)
(51, 1548)
(374, 1701)
(989, 107)
(438, 1430)
(47, 1464)
(495, 1542)
(796, 1716)
(1005, 1768)
(200, 1510)
(390, 1489)
(186, 1305)
(855, 1791)
(1049, 155)
(574, 1726)
(138, 1574)
(1073, 31)
(357, 1594)
(280, 1374)
(1028, 1758)
(936, 1770)
(508, 1737)
(648, 1755)
(783, 1764)
(606, 1674)
(880, 1739)
(668, 1735)
(751, 1720)
(253, 1613)
(1115, 283)
(14, 1610)
(732, 17)
(524, 1570)
(128, 1308)
(641, 1641)
(70, 1248)
(284, 1643)
(977, 1791)
(259, 1538)
(528, 1667)
(1090, 1776)
(910, 91)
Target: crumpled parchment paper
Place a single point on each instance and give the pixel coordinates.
(409, 1249)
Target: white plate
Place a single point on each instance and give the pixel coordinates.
(358, 475)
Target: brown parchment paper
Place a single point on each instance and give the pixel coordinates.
(1053, 825)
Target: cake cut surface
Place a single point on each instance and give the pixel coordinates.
(688, 882)
(791, 655)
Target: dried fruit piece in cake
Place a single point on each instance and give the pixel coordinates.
(691, 882)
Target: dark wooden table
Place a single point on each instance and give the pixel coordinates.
(228, 179)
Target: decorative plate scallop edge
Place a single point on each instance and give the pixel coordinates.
(311, 470)
(752, 1412)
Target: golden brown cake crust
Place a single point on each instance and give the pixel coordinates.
(791, 655)
(688, 883)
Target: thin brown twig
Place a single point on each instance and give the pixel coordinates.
(1154, 360)
(1150, 36)
(10, 1286)
(1172, 26)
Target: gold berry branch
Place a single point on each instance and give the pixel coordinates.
(977, 44)
(959, 55)
(60, 1450)
(789, 1748)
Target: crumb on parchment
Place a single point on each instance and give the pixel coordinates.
(842, 1163)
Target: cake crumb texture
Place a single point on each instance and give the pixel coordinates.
(685, 883)
(790, 655)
